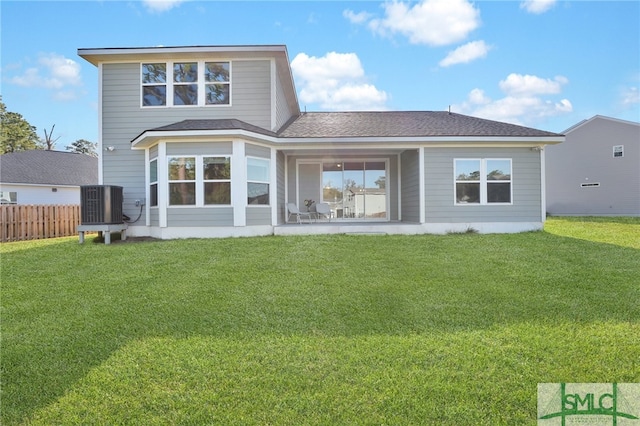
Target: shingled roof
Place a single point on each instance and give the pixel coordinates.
(379, 124)
(214, 124)
(42, 167)
(400, 124)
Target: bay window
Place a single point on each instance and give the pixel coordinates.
(182, 181)
(257, 181)
(153, 183)
(482, 181)
(217, 180)
(199, 180)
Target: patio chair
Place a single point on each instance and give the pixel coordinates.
(323, 209)
(295, 211)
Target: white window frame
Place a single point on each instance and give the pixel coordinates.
(484, 182)
(172, 181)
(154, 182)
(267, 182)
(201, 83)
(165, 84)
(200, 163)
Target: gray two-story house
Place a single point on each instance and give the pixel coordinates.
(596, 171)
(210, 141)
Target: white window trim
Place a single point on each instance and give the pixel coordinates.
(268, 182)
(169, 83)
(152, 182)
(483, 182)
(199, 181)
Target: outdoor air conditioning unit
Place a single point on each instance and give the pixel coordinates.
(101, 205)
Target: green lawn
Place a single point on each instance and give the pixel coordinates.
(454, 329)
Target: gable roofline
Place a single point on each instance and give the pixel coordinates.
(599, 117)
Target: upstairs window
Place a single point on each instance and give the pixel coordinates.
(195, 83)
(185, 83)
(482, 181)
(216, 77)
(154, 84)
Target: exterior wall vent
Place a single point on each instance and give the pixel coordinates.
(101, 205)
(618, 151)
(590, 185)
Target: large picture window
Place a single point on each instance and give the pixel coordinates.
(182, 181)
(217, 180)
(199, 181)
(195, 83)
(482, 181)
(257, 181)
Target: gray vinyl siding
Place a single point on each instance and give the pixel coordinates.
(258, 215)
(123, 119)
(251, 150)
(439, 187)
(283, 112)
(586, 156)
(410, 186)
(200, 148)
(199, 216)
(153, 152)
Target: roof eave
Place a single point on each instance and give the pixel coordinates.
(117, 54)
(151, 137)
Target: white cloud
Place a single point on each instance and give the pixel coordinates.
(430, 22)
(160, 6)
(524, 102)
(53, 71)
(356, 18)
(537, 6)
(466, 53)
(524, 85)
(630, 97)
(336, 81)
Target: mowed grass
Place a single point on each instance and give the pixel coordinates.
(342, 329)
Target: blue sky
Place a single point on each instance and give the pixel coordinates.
(544, 64)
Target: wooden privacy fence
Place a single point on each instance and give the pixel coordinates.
(33, 222)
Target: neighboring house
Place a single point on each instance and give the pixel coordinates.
(597, 170)
(212, 142)
(45, 177)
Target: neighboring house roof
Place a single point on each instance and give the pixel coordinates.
(43, 167)
(364, 124)
(599, 117)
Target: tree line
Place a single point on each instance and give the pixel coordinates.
(16, 134)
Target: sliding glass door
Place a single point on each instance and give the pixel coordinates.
(355, 189)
